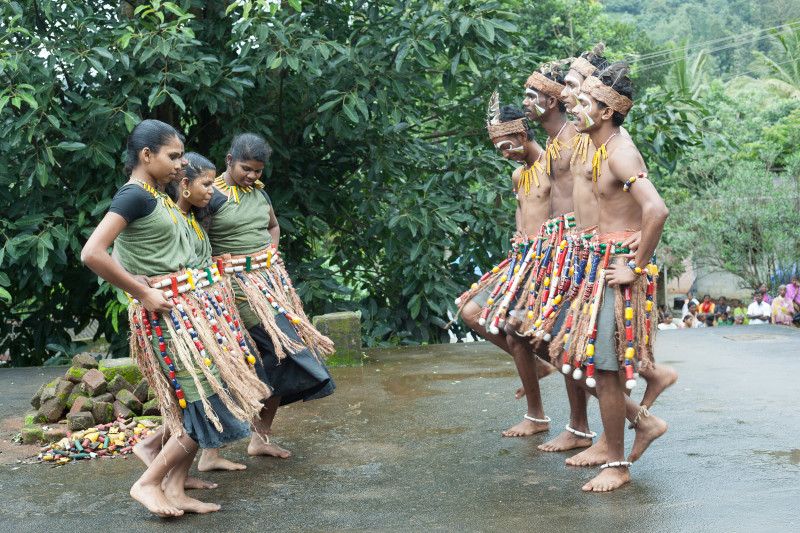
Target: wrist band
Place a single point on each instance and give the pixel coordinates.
(636, 270)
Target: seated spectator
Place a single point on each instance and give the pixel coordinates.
(707, 306)
(710, 320)
(689, 300)
(759, 311)
(662, 310)
(793, 293)
(738, 320)
(700, 320)
(741, 310)
(693, 311)
(722, 320)
(764, 294)
(782, 309)
(688, 321)
(722, 307)
(666, 322)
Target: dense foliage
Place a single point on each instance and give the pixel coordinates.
(388, 194)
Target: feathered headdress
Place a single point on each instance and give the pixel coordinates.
(497, 128)
(583, 64)
(539, 80)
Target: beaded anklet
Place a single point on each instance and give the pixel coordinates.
(590, 435)
(626, 464)
(545, 420)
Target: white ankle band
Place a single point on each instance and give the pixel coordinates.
(589, 435)
(545, 421)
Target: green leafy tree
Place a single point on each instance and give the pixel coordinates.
(387, 191)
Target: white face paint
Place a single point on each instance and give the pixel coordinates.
(587, 108)
(534, 96)
(508, 146)
(573, 86)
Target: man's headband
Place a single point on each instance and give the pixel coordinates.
(585, 68)
(603, 93)
(511, 127)
(544, 85)
(499, 129)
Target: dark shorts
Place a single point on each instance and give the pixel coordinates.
(605, 348)
(200, 428)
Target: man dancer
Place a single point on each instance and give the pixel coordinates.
(627, 202)
(658, 377)
(542, 105)
(511, 134)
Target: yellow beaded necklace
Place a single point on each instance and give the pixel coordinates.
(189, 217)
(580, 147)
(599, 155)
(553, 150)
(233, 190)
(530, 174)
(165, 199)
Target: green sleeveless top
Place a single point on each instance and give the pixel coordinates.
(240, 228)
(200, 243)
(157, 244)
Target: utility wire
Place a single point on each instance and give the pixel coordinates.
(672, 60)
(637, 57)
(731, 77)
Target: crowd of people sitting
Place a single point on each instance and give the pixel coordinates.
(783, 309)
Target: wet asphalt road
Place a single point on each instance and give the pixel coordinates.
(411, 442)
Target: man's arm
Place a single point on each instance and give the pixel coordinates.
(626, 163)
(654, 210)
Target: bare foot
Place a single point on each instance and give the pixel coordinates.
(658, 378)
(565, 441)
(597, 454)
(544, 369)
(197, 483)
(608, 479)
(262, 446)
(154, 499)
(647, 430)
(526, 427)
(520, 393)
(190, 505)
(209, 462)
(148, 449)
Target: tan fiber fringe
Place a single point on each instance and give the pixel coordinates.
(147, 362)
(263, 310)
(239, 389)
(579, 335)
(579, 353)
(318, 343)
(490, 281)
(226, 282)
(644, 350)
(557, 344)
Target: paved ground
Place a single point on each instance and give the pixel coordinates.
(411, 442)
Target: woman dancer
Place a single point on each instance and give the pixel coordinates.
(244, 236)
(172, 340)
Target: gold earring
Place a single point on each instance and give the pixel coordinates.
(186, 193)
